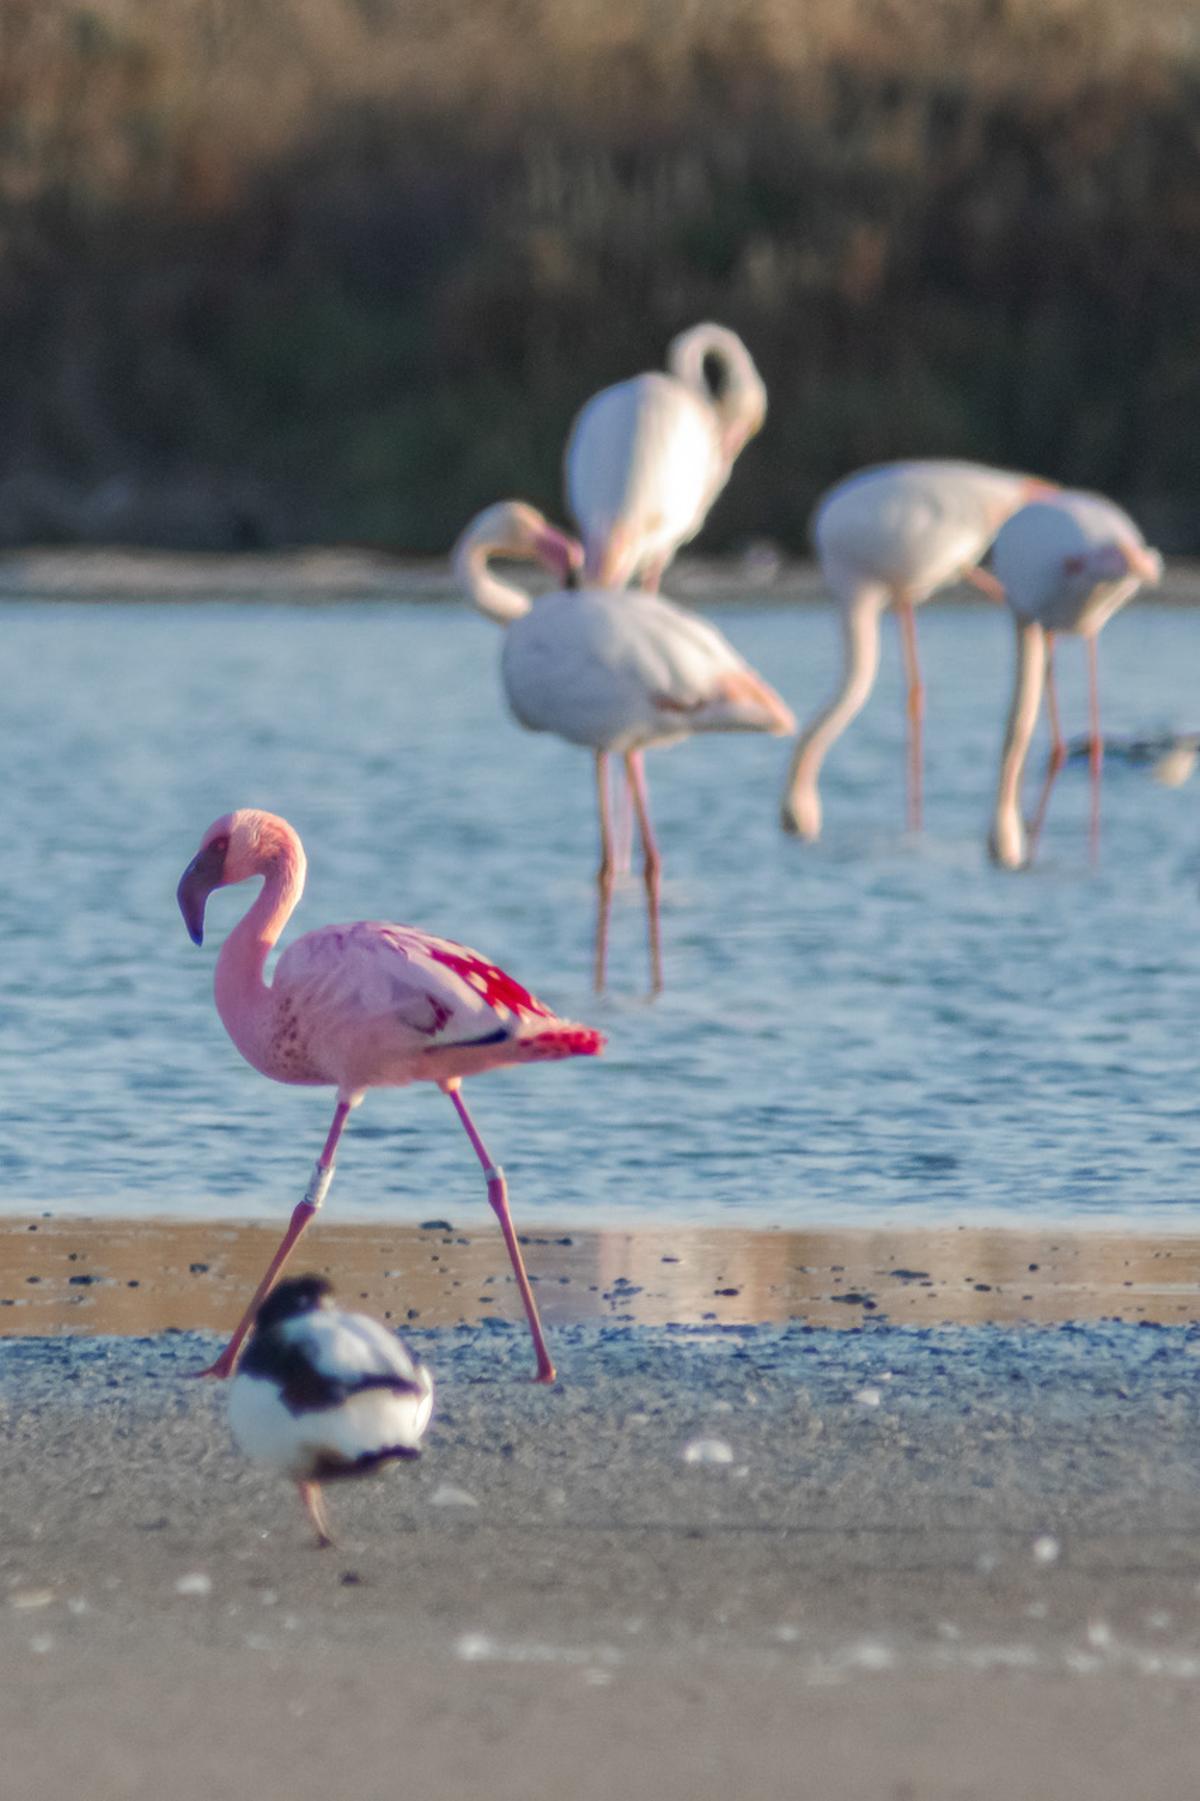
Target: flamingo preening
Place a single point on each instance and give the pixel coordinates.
(1066, 565)
(368, 1005)
(892, 536)
(646, 458)
(615, 670)
(321, 1395)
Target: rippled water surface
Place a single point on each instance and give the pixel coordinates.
(878, 1025)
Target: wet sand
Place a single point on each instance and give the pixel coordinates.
(140, 1276)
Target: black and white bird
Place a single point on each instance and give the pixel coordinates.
(321, 1395)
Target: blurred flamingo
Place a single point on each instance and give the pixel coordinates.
(892, 536)
(360, 1006)
(646, 458)
(1066, 565)
(617, 671)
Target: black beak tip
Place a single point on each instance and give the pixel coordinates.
(195, 932)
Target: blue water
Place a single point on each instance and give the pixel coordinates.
(878, 1026)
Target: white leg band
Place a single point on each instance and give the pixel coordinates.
(318, 1187)
(493, 1174)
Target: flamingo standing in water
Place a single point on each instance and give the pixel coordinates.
(892, 536)
(646, 458)
(1065, 565)
(614, 670)
(360, 1006)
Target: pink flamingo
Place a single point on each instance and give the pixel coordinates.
(1065, 565)
(892, 536)
(361, 1006)
(615, 670)
(647, 457)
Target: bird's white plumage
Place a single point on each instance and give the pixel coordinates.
(1066, 564)
(914, 526)
(345, 1349)
(644, 464)
(1070, 562)
(621, 671)
(646, 458)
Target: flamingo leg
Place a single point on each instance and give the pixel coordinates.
(906, 614)
(497, 1189)
(985, 582)
(604, 876)
(651, 863)
(622, 829)
(314, 1507)
(315, 1194)
(1058, 749)
(1096, 750)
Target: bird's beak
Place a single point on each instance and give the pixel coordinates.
(205, 872)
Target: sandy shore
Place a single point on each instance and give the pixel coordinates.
(141, 1276)
(936, 1564)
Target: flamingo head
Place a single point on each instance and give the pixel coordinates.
(1114, 561)
(234, 848)
(715, 364)
(512, 528)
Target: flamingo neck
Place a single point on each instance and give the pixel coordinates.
(860, 641)
(499, 600)
(1008, 831)
(240, 990)
(739, 404)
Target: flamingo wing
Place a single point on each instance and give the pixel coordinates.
(376, 1003)
(617, 670)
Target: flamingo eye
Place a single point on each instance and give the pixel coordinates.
(218, 846)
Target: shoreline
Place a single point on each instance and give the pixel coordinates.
(332, 573)
(132, 1276)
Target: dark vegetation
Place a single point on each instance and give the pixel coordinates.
(290, 270)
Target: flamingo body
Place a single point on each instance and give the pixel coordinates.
(620, 672)
(912, 527)
(646, 458)
(360, 1006)
(1066, 565)
(1071, 562)
(892, 536)
(373, 1005)
(616, 671)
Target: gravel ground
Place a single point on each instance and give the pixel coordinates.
(924, 1565)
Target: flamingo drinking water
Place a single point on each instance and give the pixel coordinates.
(616, 671)
(646, 458)
(361, 1006)
(892, 536)
(1066, 565)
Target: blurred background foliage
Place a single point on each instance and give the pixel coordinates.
(281, 271)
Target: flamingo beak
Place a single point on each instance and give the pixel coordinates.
(205, 872)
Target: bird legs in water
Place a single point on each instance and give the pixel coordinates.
(1096, 752)
(315, 1194)
(605, 873)
(651, 862)
(1058, 748)
(497, 1190)
(906, 615)
(635, 775)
